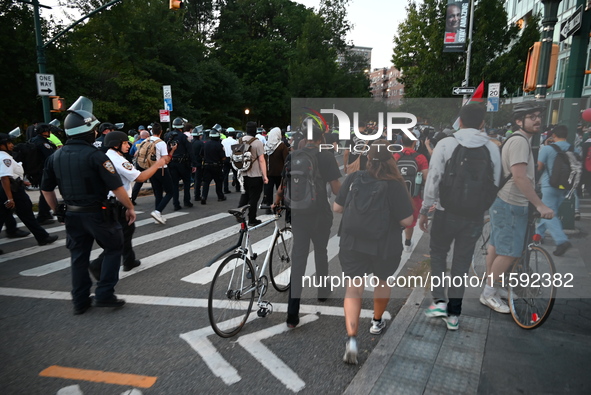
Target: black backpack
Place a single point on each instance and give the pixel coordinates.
(302, 180)
(467, 187)
(32, 159)
(367, 212)
(408, 167)
(566, 171)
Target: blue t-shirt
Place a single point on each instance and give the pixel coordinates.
(547, 156)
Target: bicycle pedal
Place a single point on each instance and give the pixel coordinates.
(265, 309)
(254, 256)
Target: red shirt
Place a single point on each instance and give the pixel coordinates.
(422, 162)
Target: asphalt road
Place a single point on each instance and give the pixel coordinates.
(161, 341)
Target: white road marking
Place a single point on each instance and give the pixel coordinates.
(70, 390)
(61, 242)
(253, 344)
(65, 263)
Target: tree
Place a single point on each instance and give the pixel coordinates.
(429, 72)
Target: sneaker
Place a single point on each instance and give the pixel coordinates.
(561, 249)
(177, 208)
(502, 293)
(438, 309)
(188, 204)
(377, 326)
(453, 322)
(351, 351)
(407, 246)
(47, 240)
(17, 233)
(158, 217)
(495, 303)
(135, 263)
(255, 222)
(45, 221)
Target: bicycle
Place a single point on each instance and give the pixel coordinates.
(236, 281)
(531, 281)
(478, 263)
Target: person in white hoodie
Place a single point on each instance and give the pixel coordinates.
(448, 227)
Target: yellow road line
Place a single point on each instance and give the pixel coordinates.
(99, 376)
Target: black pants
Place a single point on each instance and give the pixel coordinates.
(180, 171)
(212, 172)
(162, 182)
(227, 168)
(307, 228)
(198, 177)
(128, 254)
(446, 228)
(44, 209)
(24, 210)
(274, 182)
(253, 188)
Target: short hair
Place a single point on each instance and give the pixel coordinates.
(156, 129)
(560, 131)
(472, 115)
(251, 128)
(407, 141)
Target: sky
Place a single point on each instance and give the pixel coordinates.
(374, 24)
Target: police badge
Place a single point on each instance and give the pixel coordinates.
(127, 166)
(7, 162)
(109, 166)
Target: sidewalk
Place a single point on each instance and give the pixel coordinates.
(489, 354)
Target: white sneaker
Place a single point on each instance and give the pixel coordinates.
(495, 303)
(351, 351)
(158, 217)
(408, 248)
(502, 293)
(437, 310)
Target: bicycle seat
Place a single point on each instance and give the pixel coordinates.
(239, 212)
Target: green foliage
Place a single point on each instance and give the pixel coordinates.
(219, 56)
(498, 52)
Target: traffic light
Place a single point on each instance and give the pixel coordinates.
(176, 4)
(58, 104)
(530, 79)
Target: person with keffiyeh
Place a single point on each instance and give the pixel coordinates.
(275, 154)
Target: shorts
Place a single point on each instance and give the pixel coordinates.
(356, 263)
(508, 228)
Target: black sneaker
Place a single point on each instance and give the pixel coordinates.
(228, 191)
(109, 303)
(255, 222)
(17, 233)
(561, 249)
(188, 204)
(135, 263)
(222, 199)
(45, 221)
(203, 201)
(47, 240)
(81, 309)
(177, 208)
(292, 321)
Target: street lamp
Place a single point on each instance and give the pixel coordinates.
(246, 112)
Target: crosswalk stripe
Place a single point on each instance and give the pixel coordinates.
(62, 242)
(64, 263)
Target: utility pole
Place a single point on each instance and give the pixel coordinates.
(469, 51)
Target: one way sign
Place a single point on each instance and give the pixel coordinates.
(45, 85)
(463, 90)
(572, 24)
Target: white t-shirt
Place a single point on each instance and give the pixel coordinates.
(161, 149)
(228, 142)
(125, 169)
(9, 167)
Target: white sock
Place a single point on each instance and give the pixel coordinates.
(488, 291)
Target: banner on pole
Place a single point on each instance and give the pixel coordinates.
(456, 25)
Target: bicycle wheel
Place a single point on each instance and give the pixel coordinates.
(231, 295)
(532, 293)
(481, 250)
(280, 263)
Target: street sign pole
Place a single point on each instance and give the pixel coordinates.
(41, 58)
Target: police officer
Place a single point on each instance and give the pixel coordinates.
(197, 146)
(180, 166)
(213, 165)
(45, 148)
(104, 129)
(14, 196)
(119, 145)
(84, 176)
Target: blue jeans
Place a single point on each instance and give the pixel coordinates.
(553, 198)
(446, 228)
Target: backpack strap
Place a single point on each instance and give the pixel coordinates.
(505, 180)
